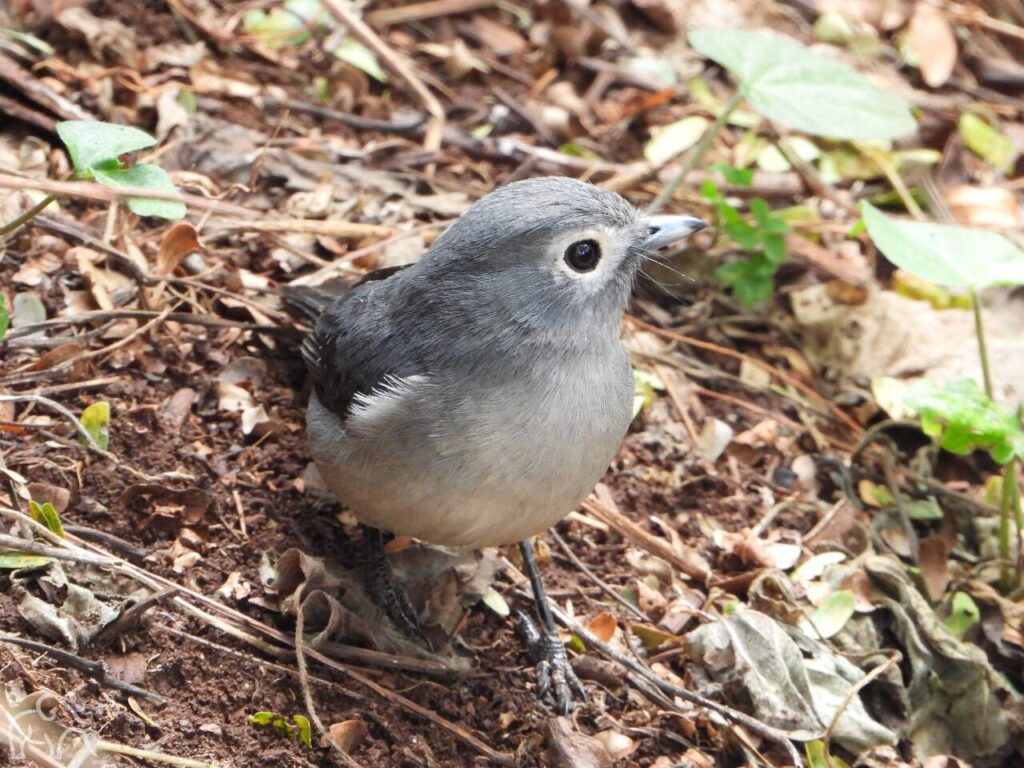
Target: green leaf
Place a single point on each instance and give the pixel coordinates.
(956, 257)
(299, 727)
(5, 318)
(793, 86)
(92, 144)
(964, 419)
(671, 140)
(305, 731)
(150, 177)
(13, 561)
(359, 56)
(963, 615)
(739, 177)
(46, 514)
(987, 143)
(815, 751)
(96, 420)
(494, 600)
(275, 27)
(831, 616)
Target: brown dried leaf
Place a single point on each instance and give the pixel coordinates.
(603, 626)
(994, 207)
(568, 748)
(177, 242)
(348, 734)
(934, 562)
(933, 42)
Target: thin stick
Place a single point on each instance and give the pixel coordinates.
(361, 31)
(53, 404)
(432, 9)
(979, 331)
(343, 229)
(28, 215)
(641, 538)
(727, 712)
(696, 153)
(575, 560)
(92, 191)
(145, 754)
(854, 690)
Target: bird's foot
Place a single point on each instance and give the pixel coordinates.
(386, 592)
(556, 680)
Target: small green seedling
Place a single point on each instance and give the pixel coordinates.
(298, 728)
(963, 614)
(5, 318)
(96, 420)
(46, 514)
(95, 147)
(751, 279)
(963, 419)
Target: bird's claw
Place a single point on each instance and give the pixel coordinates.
(556, 680)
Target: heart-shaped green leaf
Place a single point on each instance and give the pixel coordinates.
(93, 144)
(148, 176)
(956, 257)
(793, 86)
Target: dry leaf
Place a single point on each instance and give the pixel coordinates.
(933, 42)
(348, 735)
(177, 242)
(994, 207)
(933, 558)
(603, 626)
(618, 744)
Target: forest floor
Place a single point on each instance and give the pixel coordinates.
(754, 502)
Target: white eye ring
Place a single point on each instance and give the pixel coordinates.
(583, 255)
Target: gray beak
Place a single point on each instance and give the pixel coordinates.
(665, 230)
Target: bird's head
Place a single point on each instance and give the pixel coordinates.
(552, 251)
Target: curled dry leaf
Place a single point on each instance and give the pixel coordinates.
(618, 744)
(933, 42)
(178, 241)
(348, 735)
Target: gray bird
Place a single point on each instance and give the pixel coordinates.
(475, 398)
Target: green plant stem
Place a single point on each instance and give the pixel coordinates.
(696, 153)
(27, 216)
(1009, 495)
(979, 331)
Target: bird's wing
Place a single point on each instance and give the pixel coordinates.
(354, 353)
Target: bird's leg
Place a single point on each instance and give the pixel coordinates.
(388, 595)
(554, 675)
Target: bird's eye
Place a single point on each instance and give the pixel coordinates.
(583, 255)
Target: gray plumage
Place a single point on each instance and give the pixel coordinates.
(475, 397)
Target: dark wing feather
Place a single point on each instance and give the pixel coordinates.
(353, 346)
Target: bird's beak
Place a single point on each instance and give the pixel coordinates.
(665, 230)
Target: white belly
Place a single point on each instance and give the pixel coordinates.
(498, 475)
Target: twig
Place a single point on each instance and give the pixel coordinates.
(358, 122)
(343, 229)
(22, 378)
(641, 538)
(574, 558)
(782, 375)
(697, 153)
(54, 405)
(93, 669)
(729, 713)
(18, 544)
(854, 690)
(432, 9)
(28, 215)
(281, 668)
(155, 582)
(93, 191)
(361, 31)
(145, 754)
(102, 315)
